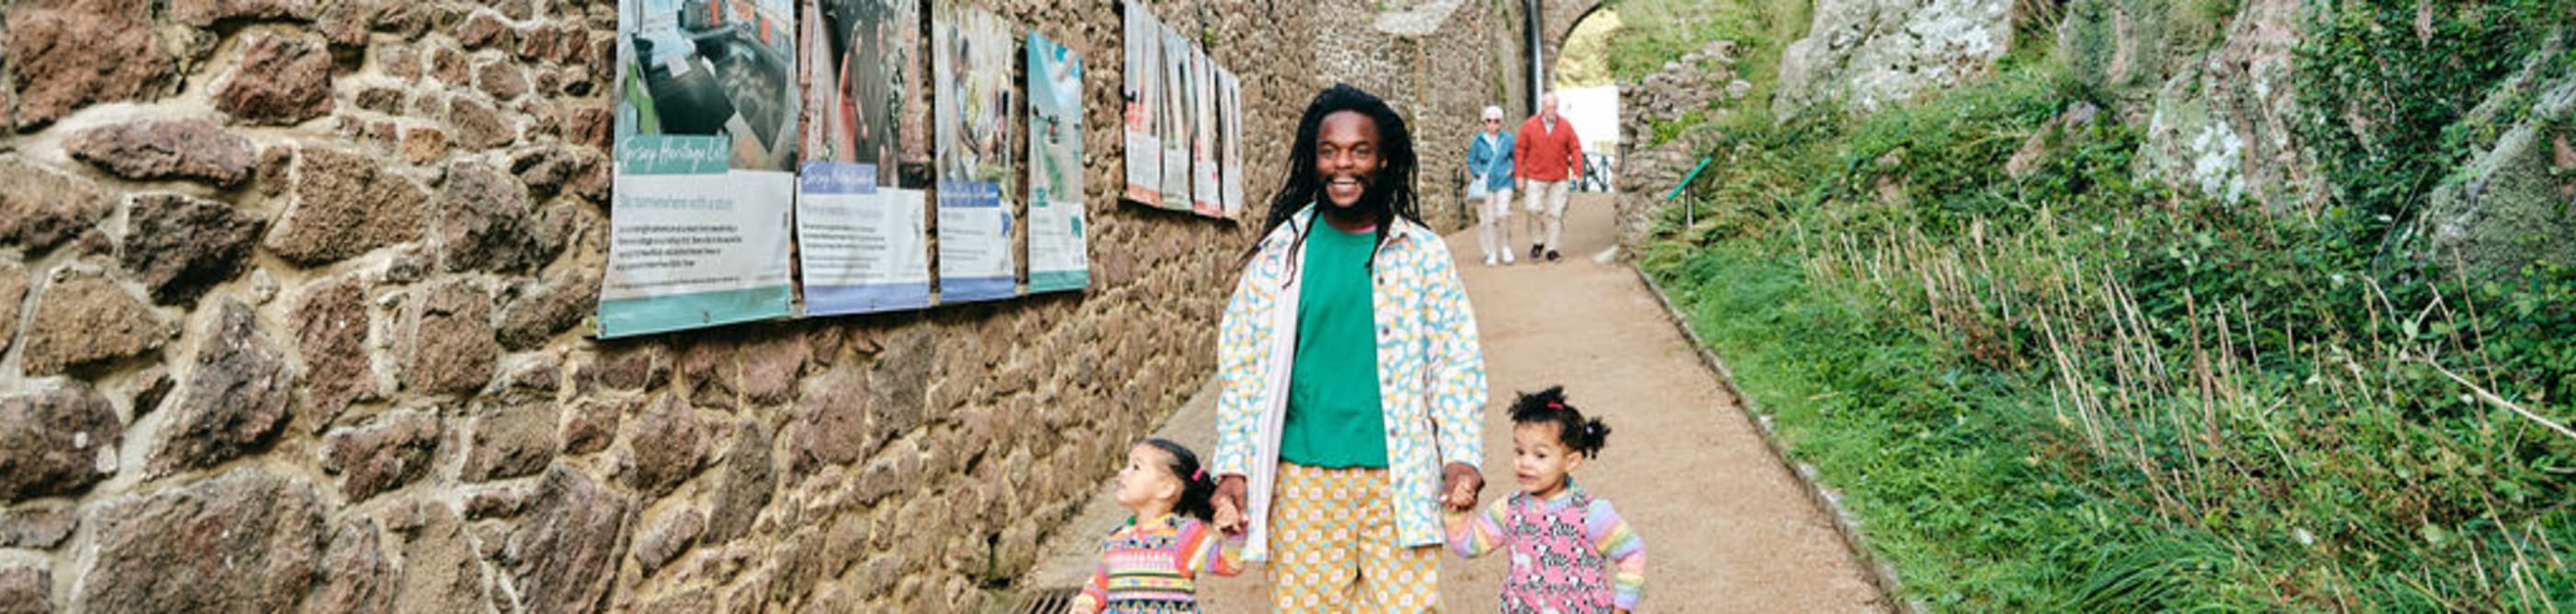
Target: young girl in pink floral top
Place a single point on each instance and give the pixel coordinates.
(1570, 551)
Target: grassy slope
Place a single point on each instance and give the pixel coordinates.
(2072, 392)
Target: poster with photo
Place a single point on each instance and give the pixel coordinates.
(1057, 249)
(1207, 195)
(1140, 91)
(1230, 159)
(862, 206)
(978, 105)
(703, 165)
(1175, 118)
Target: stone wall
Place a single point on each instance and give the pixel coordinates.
(290, 305)
(1439, 65)
(1865, 55)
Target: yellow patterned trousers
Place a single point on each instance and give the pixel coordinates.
(1332, 545)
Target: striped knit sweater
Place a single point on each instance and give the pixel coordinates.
(1152, 566)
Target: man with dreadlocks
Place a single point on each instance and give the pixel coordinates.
(1351, 378)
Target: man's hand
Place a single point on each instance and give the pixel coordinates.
(1229, 504)
(1459, 485)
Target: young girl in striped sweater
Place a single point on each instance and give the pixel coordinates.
(1152, 564)
(1570, 552)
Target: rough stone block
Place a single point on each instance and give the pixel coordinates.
(38, 526)
(383, 456)
(51, 442)
(66, 55)
(331, 330)
(356, 576)
(448, 329)
(345, 205)
(502, 79)
(748, 483)
(511, 441)
(423, 145)
(549, 309)
(483, 222)
(477, 125)
(564, 554)
(280, 81)
(84, 320)
(594, 423)
(668, 540)
(153, 150)
(238, 397)
(44, 208)
(247, 540)
(202, 13)
(181, 246)
(668, 445)
(26, 590)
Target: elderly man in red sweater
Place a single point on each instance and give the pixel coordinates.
(1550, 158)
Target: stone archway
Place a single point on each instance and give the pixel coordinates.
(1556, 21)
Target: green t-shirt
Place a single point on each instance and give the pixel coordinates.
(1335, 418)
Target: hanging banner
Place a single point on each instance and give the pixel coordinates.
(706, 116)
(1207, 195)
(1230, 112)
(862, 205)
(1175, 116)
(1058, 258)
(1141, 91)
(971, 63)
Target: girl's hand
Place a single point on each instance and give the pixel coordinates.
(1229, 498)
(1227, 516)
(1461, 481)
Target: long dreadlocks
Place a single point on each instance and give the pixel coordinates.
(1390, 193)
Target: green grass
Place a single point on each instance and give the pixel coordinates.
(2073, 392)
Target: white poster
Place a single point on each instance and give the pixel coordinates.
(972, 53)
(1141, 91)
(862, 207)
(1231, 160)
(1207, 196)
(1057, 258)
(1176, 121)
(705, 140)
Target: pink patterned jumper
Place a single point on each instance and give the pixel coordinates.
(1570, 553)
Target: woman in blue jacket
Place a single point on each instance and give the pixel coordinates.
(1489, 187)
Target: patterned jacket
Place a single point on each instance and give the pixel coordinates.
(1431, 374)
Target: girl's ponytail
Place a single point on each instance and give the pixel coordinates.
(1198, 489)
(1595, 434)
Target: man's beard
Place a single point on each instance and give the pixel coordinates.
(1374, 197)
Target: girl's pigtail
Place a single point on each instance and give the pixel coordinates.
(1595, 435)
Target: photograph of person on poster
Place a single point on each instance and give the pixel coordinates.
(716, 68)
(870, 82)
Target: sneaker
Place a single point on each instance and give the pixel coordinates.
(1489, 260)
(1507, 256)
(1535, 250)
(1552, 256)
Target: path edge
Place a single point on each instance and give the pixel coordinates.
(1881, 574)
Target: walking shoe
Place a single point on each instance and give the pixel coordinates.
(1552, 256)
(1535, 250)
(1507, 256)
(1489, 260)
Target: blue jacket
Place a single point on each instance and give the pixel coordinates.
(1493, 162)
